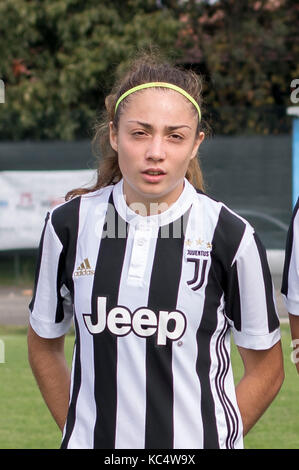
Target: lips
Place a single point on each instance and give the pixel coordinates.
(154, 171)
(153, 175)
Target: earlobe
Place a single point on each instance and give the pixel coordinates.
(113, 136)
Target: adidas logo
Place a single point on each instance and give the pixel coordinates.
(84, 269)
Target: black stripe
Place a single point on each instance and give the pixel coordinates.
(273, 321)
(223, 368)
(233, 301)
(226, 240)
(106, 284)
(219, 379)
(196, 270)
(163, 292)
(231, 230)
(288, 252)
(65, 221)
(38, 263)
(70, 422)
(59, 316)
(202, 277)
(233, 412)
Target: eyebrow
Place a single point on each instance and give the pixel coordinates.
(150, 127)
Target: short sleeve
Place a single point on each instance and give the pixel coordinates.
(250, 303)
(290, 278)
(51, 308)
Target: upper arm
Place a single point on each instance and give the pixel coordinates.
(37, 344)
(265, 364)
(294, 327)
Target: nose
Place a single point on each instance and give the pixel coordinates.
(155, 150)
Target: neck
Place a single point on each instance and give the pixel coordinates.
(149, 206)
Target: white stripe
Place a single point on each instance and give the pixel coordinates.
(87, 247)
(187, 421)
(131, 353)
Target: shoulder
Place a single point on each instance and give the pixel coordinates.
(231, 232)
(295, 214)
(293, 231)
(65, 217)
(224, 217)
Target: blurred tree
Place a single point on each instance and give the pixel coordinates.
(57, 58)
(248, 52)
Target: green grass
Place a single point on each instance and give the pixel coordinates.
(278, 427)
(25, 422)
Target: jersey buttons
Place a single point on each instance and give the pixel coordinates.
(141, 242)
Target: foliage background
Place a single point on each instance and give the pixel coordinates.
(59, 57)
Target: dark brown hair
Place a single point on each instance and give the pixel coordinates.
(144, 69)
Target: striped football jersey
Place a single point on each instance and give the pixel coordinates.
(154, 301)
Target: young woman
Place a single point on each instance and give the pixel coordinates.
(156, 276)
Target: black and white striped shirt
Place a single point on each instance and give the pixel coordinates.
(154, 300)
(290, 278)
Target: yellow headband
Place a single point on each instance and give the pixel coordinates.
(163, 85)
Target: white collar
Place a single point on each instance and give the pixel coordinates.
(175, 211)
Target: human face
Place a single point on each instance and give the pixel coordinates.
(155, 141)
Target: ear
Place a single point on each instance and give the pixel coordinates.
(197, 142)
(113, 136)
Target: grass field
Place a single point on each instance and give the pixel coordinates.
(25, 422)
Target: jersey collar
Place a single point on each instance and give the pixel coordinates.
(174, 212)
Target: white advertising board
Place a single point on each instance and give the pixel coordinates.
(25, 199)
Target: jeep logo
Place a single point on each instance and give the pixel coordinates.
(143, 322)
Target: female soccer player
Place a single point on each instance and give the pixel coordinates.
(156, 276)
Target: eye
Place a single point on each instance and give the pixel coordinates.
(176, 137)
(139, 133)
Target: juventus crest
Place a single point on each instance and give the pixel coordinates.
(200, 266)
(199, 258)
